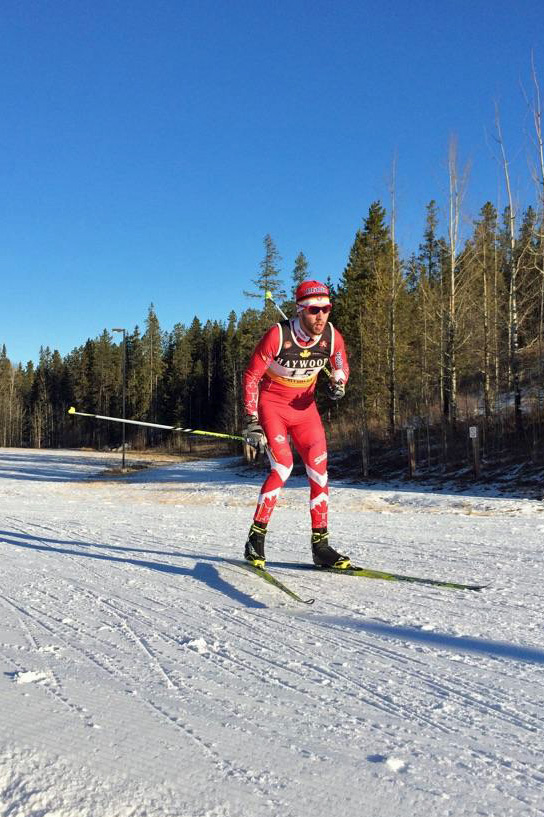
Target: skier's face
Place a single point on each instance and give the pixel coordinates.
(315, 321)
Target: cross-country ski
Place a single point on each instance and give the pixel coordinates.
(268, 577)
(383, 575)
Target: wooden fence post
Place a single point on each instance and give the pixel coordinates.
(475, 440)
(365, 453)
(411, 451)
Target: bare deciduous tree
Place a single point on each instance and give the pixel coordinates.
(457, 186)
(513, 267)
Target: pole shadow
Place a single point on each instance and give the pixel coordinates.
(442, 641)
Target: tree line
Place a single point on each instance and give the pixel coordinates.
(447, 333)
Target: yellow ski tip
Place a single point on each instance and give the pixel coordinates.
(267, 294)
(71, 410)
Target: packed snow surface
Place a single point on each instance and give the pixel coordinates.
(143, 673)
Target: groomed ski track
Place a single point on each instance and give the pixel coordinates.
(144, 674)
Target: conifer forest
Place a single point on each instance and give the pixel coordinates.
(449, 338)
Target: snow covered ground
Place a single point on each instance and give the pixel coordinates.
(144, 674)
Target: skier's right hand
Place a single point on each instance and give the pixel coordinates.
(253, 433)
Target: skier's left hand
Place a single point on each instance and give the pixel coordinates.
(337, 389)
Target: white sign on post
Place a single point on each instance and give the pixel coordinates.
(473, 432)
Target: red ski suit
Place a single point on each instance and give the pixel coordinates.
(279, 385)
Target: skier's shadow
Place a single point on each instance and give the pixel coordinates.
(202, 571)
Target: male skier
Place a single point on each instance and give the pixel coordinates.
(279, 385)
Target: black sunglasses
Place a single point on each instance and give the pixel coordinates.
(315, 310)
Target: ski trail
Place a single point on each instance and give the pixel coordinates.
(47, 678)
(138, 640)
(222, 764)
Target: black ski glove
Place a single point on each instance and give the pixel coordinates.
(336, 390)
(253, 433)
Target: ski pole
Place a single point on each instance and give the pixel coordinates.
(72, 410)
(268, 297)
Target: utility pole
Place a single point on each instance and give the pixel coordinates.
(124, 352)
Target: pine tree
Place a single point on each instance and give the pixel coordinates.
(268, 279)
(429, 249)
(197, 381)
(138, 391)
(300, 272)
(179, 365)
(486, 303)
(41, 408)
(231, 412)
(529, 279)
(7, 384)
(361, 314)
(153, 349)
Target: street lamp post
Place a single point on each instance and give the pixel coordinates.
(124, 346)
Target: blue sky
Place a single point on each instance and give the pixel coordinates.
(146, 148)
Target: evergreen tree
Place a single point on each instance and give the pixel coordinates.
(529, 279)
(104, 373)
(138, 389)
(361, 311)
(41, 409)
(179, 365)
(430, 250)
(153, 350)
(268, 279)
(231, 410)
(197, 382)
(428, 280)
(486, 303)
(300, 272)
(7, 384)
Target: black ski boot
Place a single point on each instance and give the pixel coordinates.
(324, 555)
(254, 551)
